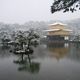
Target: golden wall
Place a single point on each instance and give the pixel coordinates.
(60, 32)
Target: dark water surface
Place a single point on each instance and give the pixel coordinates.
(52, 61)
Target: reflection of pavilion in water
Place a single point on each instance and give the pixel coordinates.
(58, 50)
(61, 50)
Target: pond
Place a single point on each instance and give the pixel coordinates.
(50, 61)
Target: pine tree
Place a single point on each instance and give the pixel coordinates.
(65, 5)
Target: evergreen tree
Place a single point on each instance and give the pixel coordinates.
(65, 5)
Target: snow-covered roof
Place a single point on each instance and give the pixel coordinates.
(58, 30)
(58, 23)
(52, 30)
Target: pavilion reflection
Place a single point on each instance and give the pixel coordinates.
(58, 50)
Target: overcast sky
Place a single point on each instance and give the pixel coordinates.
(21, 11)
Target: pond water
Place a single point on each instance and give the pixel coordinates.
(51, 61)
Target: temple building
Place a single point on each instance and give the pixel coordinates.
(58, 32)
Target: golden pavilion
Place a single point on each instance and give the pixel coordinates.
(58, 31)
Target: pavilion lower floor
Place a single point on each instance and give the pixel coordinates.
(57, 38)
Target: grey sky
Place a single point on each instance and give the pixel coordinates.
(20, 11)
